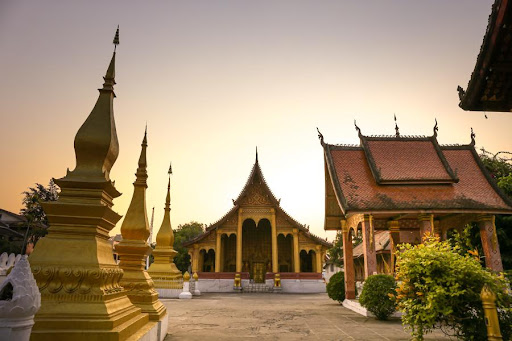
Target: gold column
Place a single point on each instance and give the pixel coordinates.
(133, 248)
(491, 314)
(239, 242)
(296, 257)
(195, 260)
(163, 271)
(318, 259)
(81, 295)
(275, 264)
(218, 252)
(394, 233)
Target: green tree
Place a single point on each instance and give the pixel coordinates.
(183, 234)
(32, 199)
(336, 251)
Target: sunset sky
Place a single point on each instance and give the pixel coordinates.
(215, 79)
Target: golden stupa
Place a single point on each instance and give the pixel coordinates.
(133, 248)
(81, 295)
(163, 271)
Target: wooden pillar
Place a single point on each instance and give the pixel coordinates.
(370, 256)
(239, 242)
(218, 252)
(275, 263)
(394, 234)
(486, 223)
(426, 225)
(319, 259)
(296, 256)
(348, 264)
(437, 229)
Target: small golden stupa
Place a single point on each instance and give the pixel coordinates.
(163, 271)
(81, 295)
(133, 248)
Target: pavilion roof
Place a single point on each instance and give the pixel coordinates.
(490, 86)
(410, 174)
(256, 176)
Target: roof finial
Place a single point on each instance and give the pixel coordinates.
(397, 131)
(116, 39)
(256, 154)
(472, 137)
(320, 136)
(357, 128)
(170, 169)
(435, 129)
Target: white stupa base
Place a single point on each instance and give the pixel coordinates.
(185, 295)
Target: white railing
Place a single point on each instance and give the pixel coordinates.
(7, 261)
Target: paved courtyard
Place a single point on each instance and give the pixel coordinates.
(275, 317)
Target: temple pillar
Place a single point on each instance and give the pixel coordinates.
(318, 253)
(296, 257)
(239, 242)
(426, 224)
(348, 263)
(486, 223)
(394, 234)
(195, 259)
(437, 229)
(370, 256)
(275, 264)
(217, 252)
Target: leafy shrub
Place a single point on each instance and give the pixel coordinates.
(440, 288)
(378, 295)
(336, 287)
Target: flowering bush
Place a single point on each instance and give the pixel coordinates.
(378, 295)
(440, 288)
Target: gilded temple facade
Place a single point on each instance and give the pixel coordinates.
(257, 239)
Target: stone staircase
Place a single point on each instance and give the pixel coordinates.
(257, 287)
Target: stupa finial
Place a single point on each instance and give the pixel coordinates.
(256, 154)
(96, 144)
(142, 173)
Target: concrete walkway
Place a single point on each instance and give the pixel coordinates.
(275, 317)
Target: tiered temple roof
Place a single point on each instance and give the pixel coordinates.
(490, 86)
(256, 176)
(399, 174)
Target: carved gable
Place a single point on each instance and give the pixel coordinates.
(256, 195)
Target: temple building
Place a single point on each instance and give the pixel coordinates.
(257, 239)
(407, 185)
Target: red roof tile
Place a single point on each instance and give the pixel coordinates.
(397, 160)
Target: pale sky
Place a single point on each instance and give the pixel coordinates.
(215, 79)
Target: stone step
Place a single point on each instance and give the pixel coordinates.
(256, 287)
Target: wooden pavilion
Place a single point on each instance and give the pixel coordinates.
(258, 239)
(407, 185)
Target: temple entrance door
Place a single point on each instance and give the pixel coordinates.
(258, 272)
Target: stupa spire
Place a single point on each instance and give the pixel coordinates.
(135, 224)
(96, 144)
(163, 269)
(165, 236)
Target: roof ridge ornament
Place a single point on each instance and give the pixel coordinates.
(435, 128)
(472, 137)
(320, 136)
(397, 130)
(256, 154)
(357, 128)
